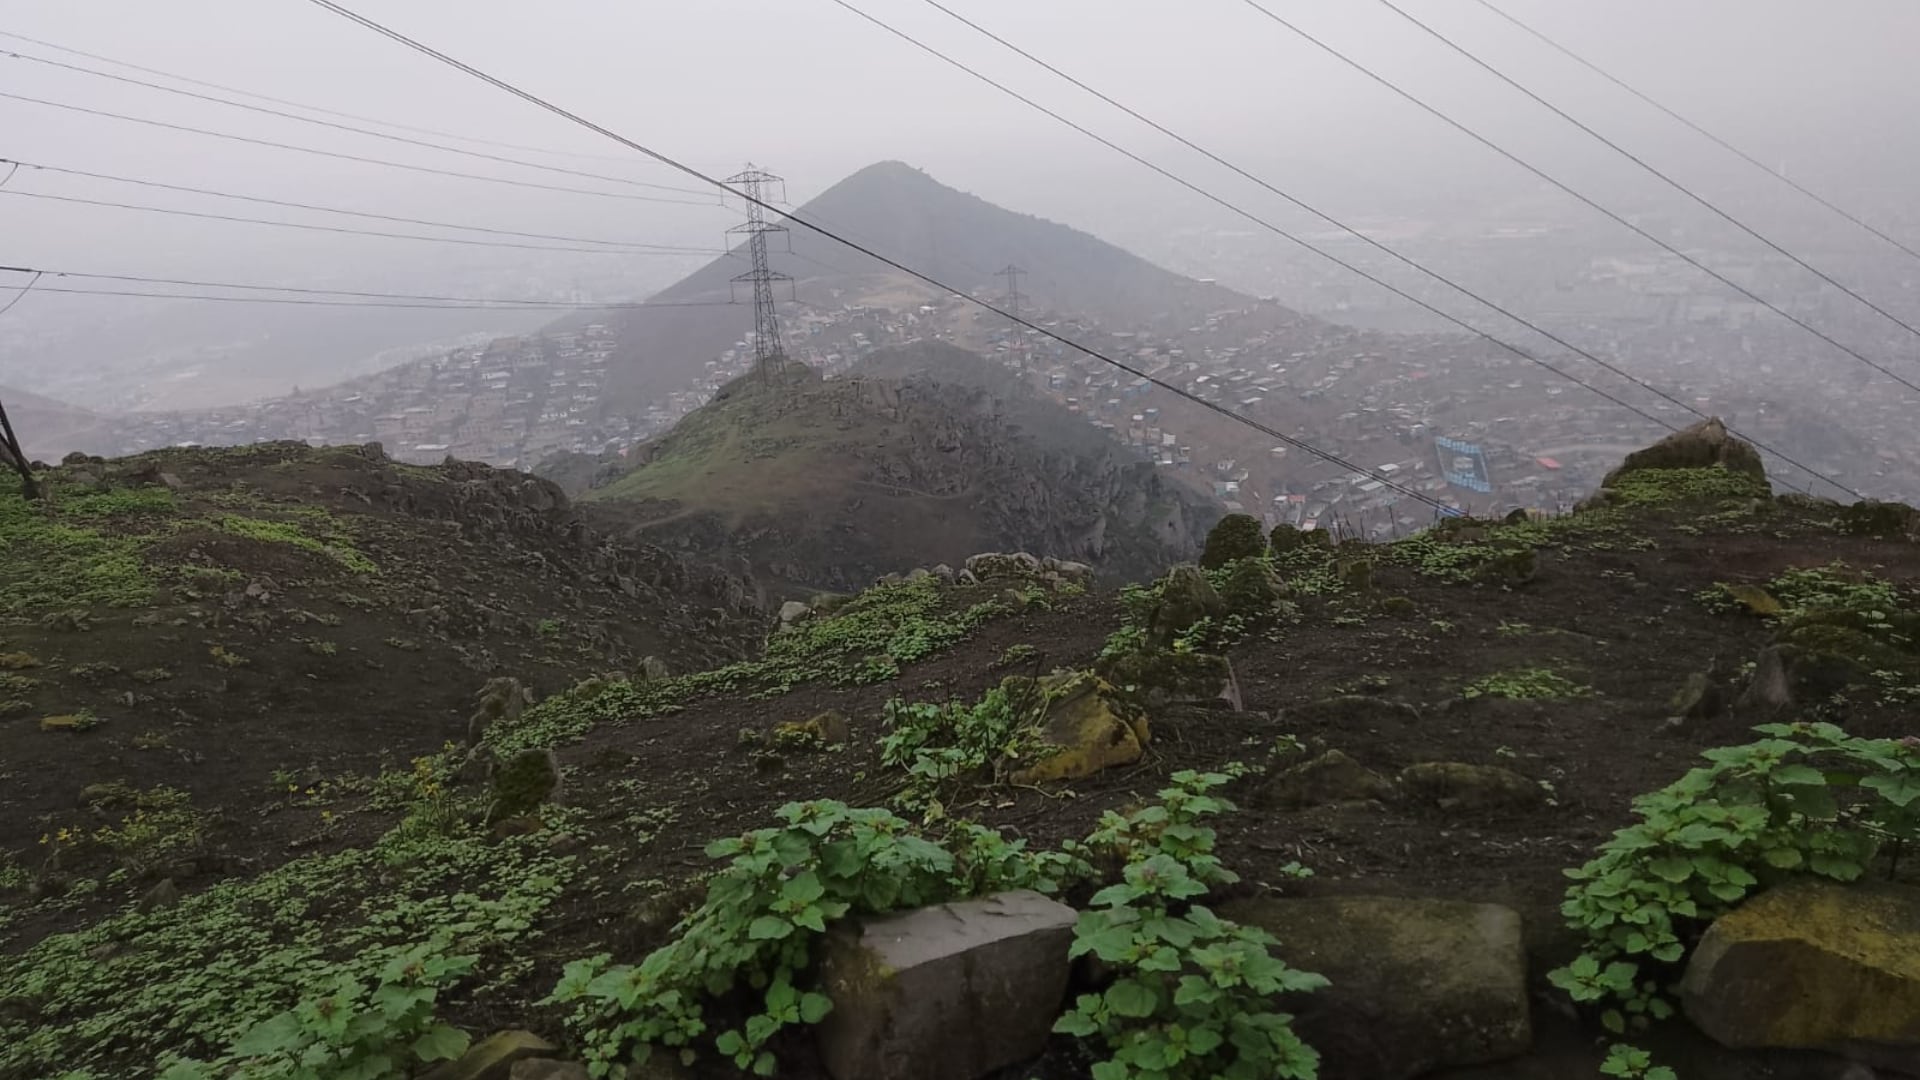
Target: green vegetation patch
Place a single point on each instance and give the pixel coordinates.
(1648, 487)
(1527, 684)
(334, 545)
(864, 641)
(192, 976)
(69, 551)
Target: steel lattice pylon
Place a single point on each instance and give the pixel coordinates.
(768, 350)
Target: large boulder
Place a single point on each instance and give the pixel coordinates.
(1089, 725)
(952, 992)
(1161, 676)
(1814, 965)
(1186, 597)
(1703, 446)
(1415, 985)
(993, 566)
(1253, 588)
(1234, 537)
(522, 783)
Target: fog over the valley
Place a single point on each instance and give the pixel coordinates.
(808, 89)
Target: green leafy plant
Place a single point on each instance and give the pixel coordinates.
(1633, 1063)
(936, 743)
(354, 1032)
(753, 939)
(1530, 684)
(1192, 994)
(1806, 799)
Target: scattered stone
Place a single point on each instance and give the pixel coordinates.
(792, 612)
(919, 573)
(493, 1057)
(1072, 571)
(171, 482)
(1814, 965)
(652, 669)
(163, 894)
(1416, 985)
(992, 566)
(952, 992)
(1160, 676)
(1332, 777)
(1234, 537)
(1511, 568)
(1454, 785)
(1702, 446)
(68, 722)
(1089, 725)
(944, 573)
(1788, 675)
(73, 620)
(18, 661)
(105, 796)
(1186, 597)
(825, 729)
(522, 783)
(501, 699)
(1399, 607)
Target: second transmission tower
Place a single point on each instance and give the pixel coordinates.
(1012, 274)
(769, 353)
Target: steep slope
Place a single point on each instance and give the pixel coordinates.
(1561, 680)
(905, 214)
(50, 429)
(925, 455)
(207, 620)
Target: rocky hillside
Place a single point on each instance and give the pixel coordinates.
(239, 627)
(1312, 809)
(923, 455)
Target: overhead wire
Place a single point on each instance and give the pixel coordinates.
(689, 170)
(1583, 198)
(351, 157)
(1695, 127)
(311, 108)
(304, 291)
(1329, 256)
(408, 140)
(24, 290)
(1676, 185)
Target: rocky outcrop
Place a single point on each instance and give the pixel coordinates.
(1414, 985)
(1814, 965)
(1705, 445)
(1185, 598)
(1333, 777)
(952, 992)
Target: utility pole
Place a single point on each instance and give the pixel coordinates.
(769, 353)
(12, 454)
(1012, 274)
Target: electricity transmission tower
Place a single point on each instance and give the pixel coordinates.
(1012, 274)
(769, 353)
(12, 454)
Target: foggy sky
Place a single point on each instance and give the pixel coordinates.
(811, 91)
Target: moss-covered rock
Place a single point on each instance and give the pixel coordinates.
(822, 729)
(1462, 786)
(1234, 537)
(1415, 985)
(1814, 965)
(1511, 568)
(1355, 574)
(1332, 777)
(1756, 600)
(1870, 517)
(522, 783)
(1160, 676)
(1399, 607)
(1186, 597)
(1705, 445)
(1253, 588)
(1286, 538)
(1701, 697)
(1088, 725)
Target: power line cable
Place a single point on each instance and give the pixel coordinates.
(420, 306)
(312, 108)
(329, 228)
(498, 302)
(1710, 136)
(24, 290)
(1676, 185)
(1568, 189)
(689, 170)
(350, 157)
(348, 127)
(1241, 211)
(645, 247)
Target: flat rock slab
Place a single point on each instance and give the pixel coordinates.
(1416, 985)
(952, 992)
(1814, 966)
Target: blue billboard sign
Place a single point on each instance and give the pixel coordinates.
(1464, 464)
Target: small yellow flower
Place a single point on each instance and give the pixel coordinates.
(44, 838)
(309, 791)
(64, 835)
(293, 787)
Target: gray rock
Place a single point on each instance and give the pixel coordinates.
(1416, 985)
(1814, 966)
(944, 573)
(493, 1057)
(1330, 778)
(793, 611)
(952, 992)
(522, 783)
